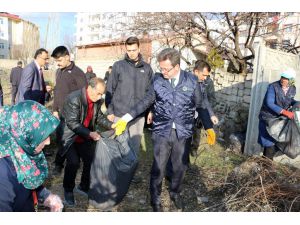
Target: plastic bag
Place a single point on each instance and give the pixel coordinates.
(287, 134)
(112, 170)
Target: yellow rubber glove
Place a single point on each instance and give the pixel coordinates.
(211, 136)
(119, 126)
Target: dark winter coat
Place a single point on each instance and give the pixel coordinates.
(74, 113)
(14, 197)
(69, 79)
(127, 85)
(274, 102)
(15, 76)
(172, 105)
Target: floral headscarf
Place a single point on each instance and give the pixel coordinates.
(22, 128)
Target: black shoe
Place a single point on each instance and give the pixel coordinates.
(57, 170)
(81, 191)
(69, 199)
(157, 208)
(178, 201)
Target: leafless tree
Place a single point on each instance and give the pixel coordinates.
(30, 43)
(69, 42)
(232, 34)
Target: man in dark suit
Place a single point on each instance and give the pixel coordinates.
(107, 73)
(1, 95)
(15, 78)
(176, 95)
(32, 85)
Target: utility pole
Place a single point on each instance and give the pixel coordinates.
(47, 30)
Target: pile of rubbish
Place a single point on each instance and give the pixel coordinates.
(261, 185)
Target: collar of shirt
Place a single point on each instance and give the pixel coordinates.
(37, 65)
(176, 78)
(69, 67)
(89, 101)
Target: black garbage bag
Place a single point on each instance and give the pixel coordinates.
(286, 133)
(111, 171)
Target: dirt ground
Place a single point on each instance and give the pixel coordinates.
(199, 189)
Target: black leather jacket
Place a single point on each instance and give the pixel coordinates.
(74, 113)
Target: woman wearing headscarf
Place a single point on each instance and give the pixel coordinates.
(24, 131)
(89, 73)
(278, 100)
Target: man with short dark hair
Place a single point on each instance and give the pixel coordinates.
(128, 83)
(176, 95)
(32, 85)
(69, 78)
(206, 117)
(15, 78)
(82, 113)
(107, 73)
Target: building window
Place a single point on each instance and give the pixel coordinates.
(286, 43)
(1, 45)
(81, 29)
(289, 14)
(1, 56)
(80, 38)
(1, 21)
(288, 28)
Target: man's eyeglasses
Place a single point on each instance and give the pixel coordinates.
(43, 58)
(166, 70)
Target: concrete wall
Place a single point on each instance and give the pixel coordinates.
(101, 57)
(8, 63)
(233, 93)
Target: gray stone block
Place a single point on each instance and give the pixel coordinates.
(234, 91)
(247, 91)
(240, 93)
(248, 84)
(247, 99)
(241, 86)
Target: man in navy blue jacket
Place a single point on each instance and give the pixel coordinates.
(175, 94)
(32, 85)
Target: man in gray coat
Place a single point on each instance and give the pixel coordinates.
(32, 85)
(128, 83)
(15, 78)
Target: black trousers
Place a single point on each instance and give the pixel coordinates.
(178, 151)
(60, 160)
(77, 151)
(14, 90)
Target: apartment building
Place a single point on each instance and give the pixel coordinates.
(18, 38)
